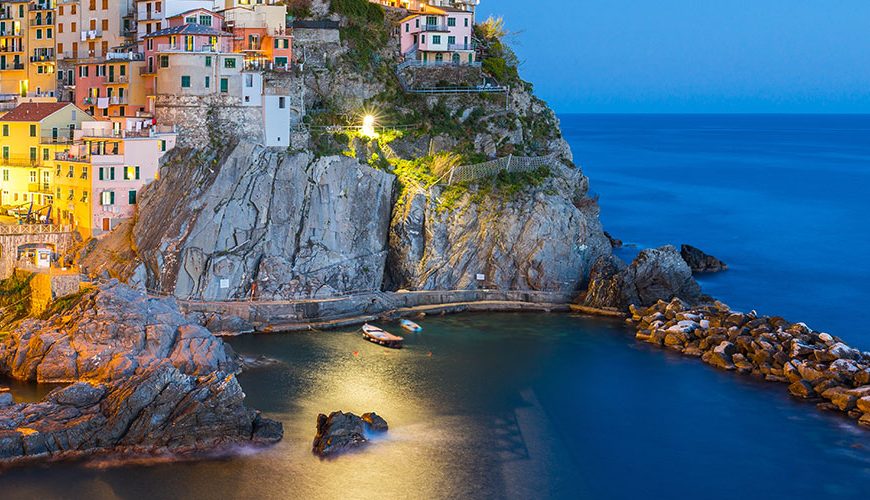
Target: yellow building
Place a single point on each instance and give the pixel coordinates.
(31, 136)
(27, 48)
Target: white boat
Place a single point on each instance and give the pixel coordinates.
(381, 337)
(411, 326)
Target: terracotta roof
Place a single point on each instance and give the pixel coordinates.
(34, 111)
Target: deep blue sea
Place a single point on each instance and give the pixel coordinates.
(783, 199)
(526, 406)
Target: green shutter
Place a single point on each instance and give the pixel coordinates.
(101, 173)
(137, 173)
(131, 197)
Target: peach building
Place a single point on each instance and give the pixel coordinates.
(260, 32)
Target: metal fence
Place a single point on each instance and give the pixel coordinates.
(509, 164)
(16, 229)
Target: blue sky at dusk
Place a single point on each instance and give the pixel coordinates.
(693, 55)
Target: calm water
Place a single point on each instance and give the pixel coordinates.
(525, 406)
(782, 199)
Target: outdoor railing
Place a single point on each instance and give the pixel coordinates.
(420, 63)
(510, 164)
(15, 229)
(434, 27)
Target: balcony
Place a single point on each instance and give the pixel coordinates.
(20, 161)
(125, 56)
(91, 34)
(165, 47)
(460, 47)
(117, 80)
(39, 187)
(42, 58)
(435, 27)
(118, 101)
(12, 67)
(67, 156)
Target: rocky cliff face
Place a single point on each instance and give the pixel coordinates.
(539, 240)
(288, 225)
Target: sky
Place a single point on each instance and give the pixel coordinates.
(693, 56)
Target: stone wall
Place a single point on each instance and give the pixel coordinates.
(199, 118)
(9, 243)
(46, 287)
(443, 76)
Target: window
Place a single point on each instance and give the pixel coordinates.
(164, 61)
(249, 80)
(33, 176)
(451, 40)
(208, 61)
(5, 130)
(230, 63)
(208, 82)
(451, 21)
(185, 82)
(466, 22)
(84, 172)
(33, 131)
(33, 154)
(204, 20)
(281, 61)
(131, 197)
(6, 175)
(282, 102)
(225, 85)
(162, 145)
(84, 196)
(71, 172)
(107, 198)
(5, 152)
(112, 173)
(407, 27)
(131, 173)
(102, 175)
(45, 154)
(436, 39)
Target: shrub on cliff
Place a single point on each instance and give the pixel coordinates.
(365, 32)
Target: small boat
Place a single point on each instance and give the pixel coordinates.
(411, 326)
(381, 337)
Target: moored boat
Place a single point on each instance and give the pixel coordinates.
(381, 337)
(411, 326)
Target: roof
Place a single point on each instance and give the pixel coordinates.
(191, 11)
(315, 25)
(35, 111)
(188, 29)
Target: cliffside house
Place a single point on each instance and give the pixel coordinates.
(98, 176)
(30, 136)
(191, 58)
(259, 31)
(438, 35)
(417, 5)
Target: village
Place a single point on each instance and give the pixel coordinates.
(93, 93)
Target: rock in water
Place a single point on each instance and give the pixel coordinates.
(158, 410)
(656, 274)
(340, 432)
(700, 262)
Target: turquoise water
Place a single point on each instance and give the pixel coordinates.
(561, 406)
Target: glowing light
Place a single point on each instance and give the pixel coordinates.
(368, 126)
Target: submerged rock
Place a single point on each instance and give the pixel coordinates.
(700, 262)
(158, 410)
(341, 432)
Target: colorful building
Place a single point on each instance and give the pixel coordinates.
(153, 15)
(438, 35)
(30, 136)
(27, 48)
(113, 89)
(98, 177)
(192, 58)
(88, 30)
(260, 32)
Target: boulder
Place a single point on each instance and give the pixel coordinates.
(340, 432)
(700, 262)
(110, 332)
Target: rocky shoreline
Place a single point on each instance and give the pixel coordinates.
(145, 381)
(817, 366)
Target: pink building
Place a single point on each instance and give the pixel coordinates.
(438, 35)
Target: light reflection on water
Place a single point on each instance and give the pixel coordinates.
(506, 406)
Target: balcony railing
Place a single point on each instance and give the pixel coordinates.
(460, 46)
(417, 63)
(66, 156)
(165, 47)
(125, 56)
(434, 27)
(20, 161)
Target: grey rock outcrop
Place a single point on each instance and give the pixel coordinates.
(161, 410)
(701, 262)
(109, 333)
(264, 222)
(341, 432)
(539, 240)
(656, 274)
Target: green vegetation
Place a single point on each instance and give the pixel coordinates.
(65, 304)
(299, 9)
(499, 61)
(366, 32)
(14, 299)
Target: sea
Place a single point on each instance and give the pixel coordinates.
(566, 406)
